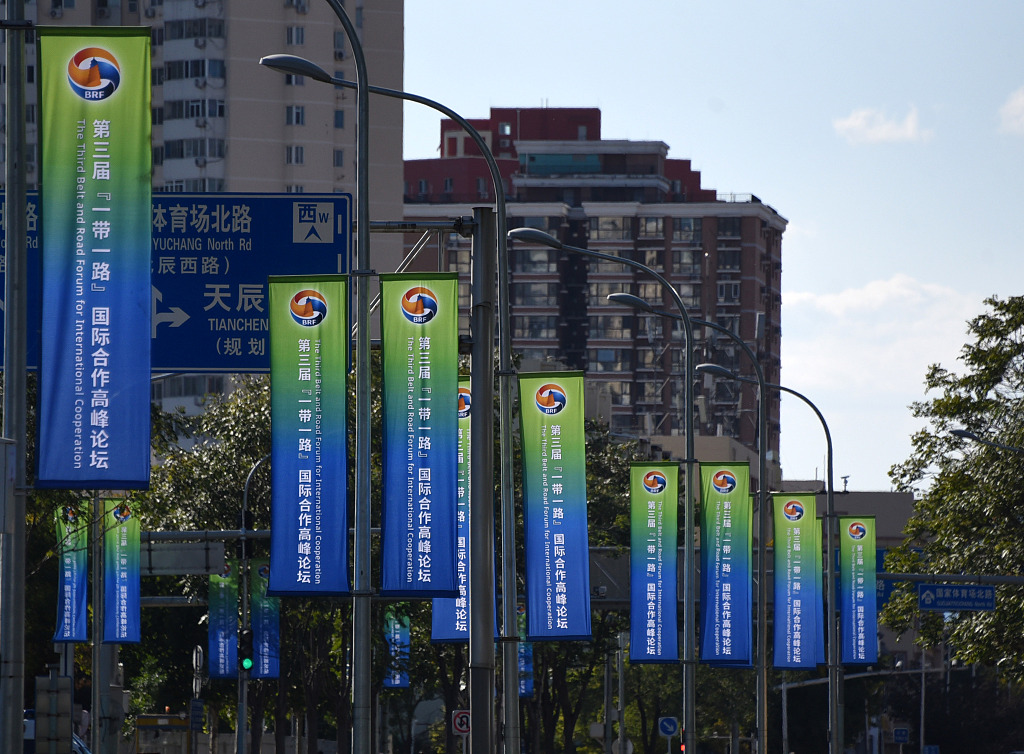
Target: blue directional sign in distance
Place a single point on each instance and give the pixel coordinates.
(212, 254)
(668, 726)
(211, 257)
(949, 598)
(901, 735)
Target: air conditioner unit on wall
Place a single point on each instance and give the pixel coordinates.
(103, 13)
(56, 12)
(150, 12)
(200, 162)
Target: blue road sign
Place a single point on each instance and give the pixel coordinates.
(901, 735)
(668, 726)
(950, 598)
(211, 256)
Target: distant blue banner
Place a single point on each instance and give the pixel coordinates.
(266, 623)
(555, 506)
(122, 577)
(419, 351)
(222, 634)
(654, 501)
(96, 154)
(449, 616)
(397, 637)
(797, 568)
(73, 535)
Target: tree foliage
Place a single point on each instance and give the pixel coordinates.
(969, 512)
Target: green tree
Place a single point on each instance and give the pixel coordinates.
(969, 512)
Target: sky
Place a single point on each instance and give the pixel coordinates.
(889, 135)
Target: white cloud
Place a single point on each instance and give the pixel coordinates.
(1011, 114)
(861, 355)
(879, 338)
(868, 126)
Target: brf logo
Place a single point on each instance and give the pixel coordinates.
(94, 74)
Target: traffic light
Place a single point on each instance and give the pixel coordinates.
(245, 653)
(682, 741)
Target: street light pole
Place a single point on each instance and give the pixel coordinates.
(532, 235)
(835, 678)
(510, 676)
(762, 550)
(242, 723)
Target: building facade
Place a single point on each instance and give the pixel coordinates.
(721, 253)
(222, 122)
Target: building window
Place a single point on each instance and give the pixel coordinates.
(295, 35)
(608, 265)
(292, 79)
(158, 116)
(340, 38)
(535, 260)
(610, 228)
(293, 189)
(650, 227)
(535, 327)
(339, 118)
(728, 292)
(687, 229)
(730, 322)
(534, 294)
(687, 261)
(652, 258)
(612, 327)
(30, 113)
(505, 129)
(621, 393)
(481, 188)
(158, 155)
(609, 360)
(294, 155)
(599, 292)
(423, 187)
(729, 227)
(339, 158)
(729, 259)
(295, 115)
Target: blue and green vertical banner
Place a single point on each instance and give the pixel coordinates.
(420, 354)
(222, 633)
(555, 506)
(122, 595)
(726, 558)
(309, 344)
(265, 618)
(95, 157)
(397, 637)
(72, 592)
(797, 576)
(858, 618)
(449, 616)
(654, 504)
(524, 656)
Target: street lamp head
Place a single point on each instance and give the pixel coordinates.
(628, 299)
(296, 66)
(716, 369)
(532, 235)
(964, 434)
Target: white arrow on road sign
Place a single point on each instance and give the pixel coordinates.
(175, 317)
(668, 726)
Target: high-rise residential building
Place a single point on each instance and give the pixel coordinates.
(722, 253)
(222, 122)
